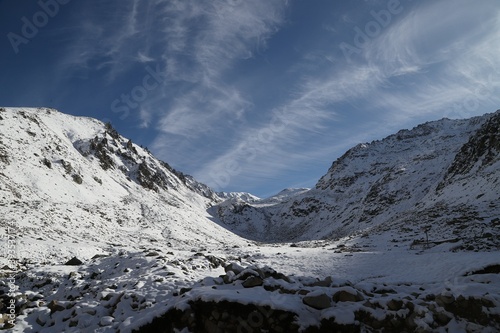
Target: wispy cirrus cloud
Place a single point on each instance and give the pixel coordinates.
(293, 133)
(206, 113)
(203, 42)
(197, 44)
(110, 39)
(452, 59)
(443, 62)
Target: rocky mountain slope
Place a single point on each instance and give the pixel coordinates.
(442, 175)
(72, 186)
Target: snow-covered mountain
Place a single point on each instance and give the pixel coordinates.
(153, 250)
(71, 186)
(443, 174)
(283, 195)
(243, 196)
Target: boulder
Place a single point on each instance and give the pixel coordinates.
(323, 283)
(235, 268)
(395, 304)
(54, 306)
(318, 302)
(253, 281)
(347, 296)
(74, 262)
(106, 321)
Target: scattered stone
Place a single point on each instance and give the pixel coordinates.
(74, 262)
(253, 281)
(395, 305)
(385, 291)
(492, 269)
(41, 320)
(442, 318)
(445, 299)
(54, 306)
(248, 273)
(97, 256)
(318, 302)
(280, 276)
(214, 261)
(77, 178)
(106, 321)
(185, 290)
(235, 268)
(89, 311)
(323, 283)
(346, 296)
(487, 303)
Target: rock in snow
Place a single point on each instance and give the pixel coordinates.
(74, 262)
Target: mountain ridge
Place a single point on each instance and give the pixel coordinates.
(387, 182)
(76, 179)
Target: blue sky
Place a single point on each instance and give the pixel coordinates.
(253, 95)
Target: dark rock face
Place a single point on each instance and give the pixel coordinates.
(318, 302)
(483, 148)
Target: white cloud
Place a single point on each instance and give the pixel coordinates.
(443, 60)
(452, 59)
(430, 58)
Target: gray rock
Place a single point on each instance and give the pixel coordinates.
(445, 299)
(253, 281)
(318, 302)
(235, 268)
(54, 306)
(346, 296)
(395, 304)
(323, 283)
(73, 262)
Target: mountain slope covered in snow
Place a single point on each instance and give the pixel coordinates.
(443, 174)
(73, 186)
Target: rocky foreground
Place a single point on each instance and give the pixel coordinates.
(109, 294)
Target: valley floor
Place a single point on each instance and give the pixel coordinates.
(311, 286)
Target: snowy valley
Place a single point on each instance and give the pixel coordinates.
(401, 234)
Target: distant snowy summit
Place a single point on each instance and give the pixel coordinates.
(250, 198)
(284, 195)
(243, 196)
